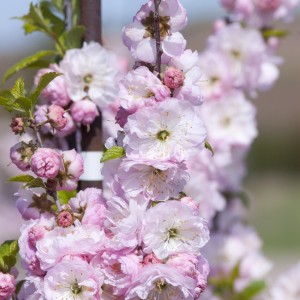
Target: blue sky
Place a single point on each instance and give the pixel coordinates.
(116, 14)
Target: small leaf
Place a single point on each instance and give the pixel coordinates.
(18, 89)
(8, 252)
(73, 38)
(36, 183)
(21, 178)
(27, 62)
(65, 196)
(112, 153)
(209, 147)
(24, 102)
(44, 81)
(252, 290)
(268, 33)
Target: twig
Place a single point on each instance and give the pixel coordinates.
(157, 37)
(78, 139)
(68, 13)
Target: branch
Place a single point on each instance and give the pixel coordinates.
(157, 37)
(68, 12)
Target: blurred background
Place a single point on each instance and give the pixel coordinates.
(273, 181)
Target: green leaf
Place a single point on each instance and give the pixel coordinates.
(18, 89)
(268, 33)
(73, 38)
(21, 178)
(8, 253)
(7, 100)
(25, 103)
(65, 196)
(112, 153)
(27, 62)
(36, 183)
(19, 286)
(209, 147)
(44, 81)
(252, 290)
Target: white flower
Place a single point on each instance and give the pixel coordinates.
(90, 74)
(171, 130)
(72, 280)
(230, 120)
(171, 227)
(157, 181)
(60, 242)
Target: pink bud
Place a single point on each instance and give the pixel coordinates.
(151, 259)
(7, 285)
(84, 112)
(174, 78)
(46, 163)
(64, 218)
(17, 125)
(20, 155)
(56, 117)
(267, 6)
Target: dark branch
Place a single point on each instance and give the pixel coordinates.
(68, 12)
(157, 37)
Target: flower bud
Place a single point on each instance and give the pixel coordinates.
(46, 163)
(56, 117)
(21, 153)
(17, 125)
(84, 112)
(174, 78)
(64, 218)
(7, 285)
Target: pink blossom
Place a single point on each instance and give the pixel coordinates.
(46, 163)
(171, 130)
(56, 117)
(68, 129)
(20, 155)
(170, 227)
(84, 111)
(151, 259)
(160, 281)
(40, 116)
(72, 279)
(193, 266)
(157, 181)
(7, 286)
(139, 35)
(141, 87)
(56, 91)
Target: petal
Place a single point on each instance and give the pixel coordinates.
(173, 45)
(146, 51)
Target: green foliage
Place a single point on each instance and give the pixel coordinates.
(8, 253)
(65, 196)
(268, 33)
(32, 61)
(252, 290)
(36, 183)
(73, 38)
(208, 146)
(21, 178)
(112, 153)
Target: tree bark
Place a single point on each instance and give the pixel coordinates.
(90, 18)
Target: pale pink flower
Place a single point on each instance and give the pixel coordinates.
(141, 87)
(46, 163)
(84, 111)
(32, 288)
(160, 281)
(171, 227)
(56, 91)
(170, 130)
(193, 266)
(157, 181)
(73, 163)
(118, 269)
(90, 73)
(68, 129)
(230, 120)
(70, 241)
(139, 36)
(72, 279)
(124, 221)
(7, 286)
